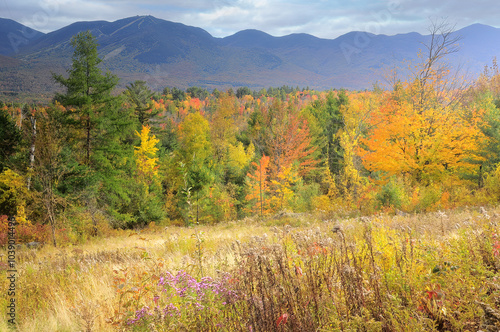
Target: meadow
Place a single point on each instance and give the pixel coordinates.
(435, 271)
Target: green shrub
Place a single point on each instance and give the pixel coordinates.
(392, 194)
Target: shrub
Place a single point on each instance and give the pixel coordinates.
(391, 195)
(429, 198)
(492, 184)
(24, 233)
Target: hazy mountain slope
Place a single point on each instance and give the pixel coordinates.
(14, 35)
(173, 54)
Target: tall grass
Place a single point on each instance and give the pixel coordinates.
(422, 272)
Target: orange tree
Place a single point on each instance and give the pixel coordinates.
(289, 139)
(278, 130)
(424, 145)
(422, 129)
(258, 187)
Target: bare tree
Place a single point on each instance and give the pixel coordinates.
(437, 81)
(444, 42)
(50, 166)
(30, 113)
(433, 82)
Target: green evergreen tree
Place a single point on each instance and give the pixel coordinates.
(197, 92)
(139, 94)
(103, 130)
(10, 138)
(243, 91)
(178, 94)
(328, 113)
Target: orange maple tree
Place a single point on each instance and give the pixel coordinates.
(425, 145)
(289, 141)
(258, 186)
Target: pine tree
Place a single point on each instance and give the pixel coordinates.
(102, 127)
(139, 94)
(87, 89)
(10, 138)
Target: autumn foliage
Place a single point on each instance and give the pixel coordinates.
(424, 146)
(427, 141)
(258, 184)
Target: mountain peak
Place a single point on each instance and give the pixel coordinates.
(249, 38)
(477, 28)
(14, 36)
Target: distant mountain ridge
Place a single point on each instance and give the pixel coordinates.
(165, 53)
(14, 35)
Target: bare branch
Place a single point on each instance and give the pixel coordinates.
(444, 42)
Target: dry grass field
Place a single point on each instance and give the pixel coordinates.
(423, 272)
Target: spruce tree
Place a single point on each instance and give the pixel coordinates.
(139, 94)
(10, 138)
(87, 89)
(103, 130)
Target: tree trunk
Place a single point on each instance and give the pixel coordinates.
(260, 192)
(32, 149)
(88, 140)
(53, 227)
(92, 206)
(50, 211)
(480, 181)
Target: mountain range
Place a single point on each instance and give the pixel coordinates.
(165, 53)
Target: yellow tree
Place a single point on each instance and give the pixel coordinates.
(355, 116)
(145, 154)
(282, 193)
(194, 138)
(223, 129)
(227, 150)
(13, 194)
(194, 161)
(149, 201)
(239, 157)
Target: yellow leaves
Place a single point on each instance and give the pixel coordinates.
(223, 130)
(14, 182)
(258, 186)
(148, 142)
(238, 157)
(13, 190)
(282, 192)
(492, 183)
(353, 115)
(145, 155)
(194, 137)
(274, 194)
(247, 98)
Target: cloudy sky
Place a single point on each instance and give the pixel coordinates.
(322, 18)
